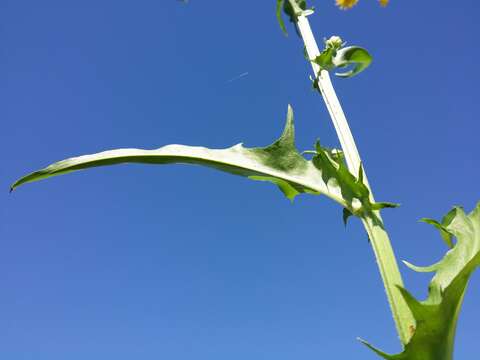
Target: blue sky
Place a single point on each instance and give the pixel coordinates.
(145, 262)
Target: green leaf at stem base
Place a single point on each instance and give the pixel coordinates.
(436, 317)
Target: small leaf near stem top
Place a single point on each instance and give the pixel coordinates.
(279, 12)
(336, 56)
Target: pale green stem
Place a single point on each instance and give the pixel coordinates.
(382, 248)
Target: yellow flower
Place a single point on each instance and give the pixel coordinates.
(347, 4)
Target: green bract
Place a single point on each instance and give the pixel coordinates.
(332, 58)
(352, 55)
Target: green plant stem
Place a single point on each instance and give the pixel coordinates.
(392, 279)
(379, 239)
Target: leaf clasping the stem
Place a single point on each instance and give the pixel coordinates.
(436, 317)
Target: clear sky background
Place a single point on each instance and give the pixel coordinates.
(182, 262)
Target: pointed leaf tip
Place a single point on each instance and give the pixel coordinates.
(420, 269)
(279, 11)
(374, 349)
(288, 135)
(346, 214)
(384, 205)
(444, 233)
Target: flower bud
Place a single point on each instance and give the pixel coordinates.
(335, 42)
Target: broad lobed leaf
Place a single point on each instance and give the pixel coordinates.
(436, 317)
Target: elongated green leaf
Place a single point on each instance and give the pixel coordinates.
(436, 317)
(279, 12)
(279, 163)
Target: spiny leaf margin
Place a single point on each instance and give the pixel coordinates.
(279, 163)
